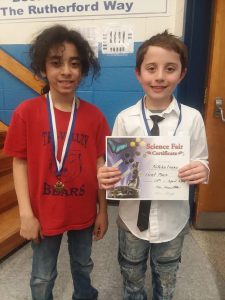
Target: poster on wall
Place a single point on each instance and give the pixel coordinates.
(117, 40)
(36, 10)
(149, 167)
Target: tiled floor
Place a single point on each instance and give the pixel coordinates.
(201, 275)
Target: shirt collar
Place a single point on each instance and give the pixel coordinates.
(136, 108)
(173, 107)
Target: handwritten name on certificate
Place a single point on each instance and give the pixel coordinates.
(149, 167)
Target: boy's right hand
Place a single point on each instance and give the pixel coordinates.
(30, 228)
(108, 177)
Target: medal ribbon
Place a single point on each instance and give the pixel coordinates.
(146, 122)
(53, 134)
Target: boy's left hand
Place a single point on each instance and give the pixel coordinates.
(194, 173)
(101, 226)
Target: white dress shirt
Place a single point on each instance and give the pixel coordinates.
(167, 218)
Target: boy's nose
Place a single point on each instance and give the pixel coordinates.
(159, 75)
(65, 69)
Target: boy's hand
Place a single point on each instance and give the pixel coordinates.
(194, 173)
(101, 226)
(30, 229)
(108, 177)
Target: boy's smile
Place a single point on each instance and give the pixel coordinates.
(63, 71)
(66, 84)
(159, 75)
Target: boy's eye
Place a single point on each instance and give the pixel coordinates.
(170, 69)
(56, 63)
(151, 68)
(75, 64)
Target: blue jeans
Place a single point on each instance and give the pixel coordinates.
(44, 268)
(164, 260)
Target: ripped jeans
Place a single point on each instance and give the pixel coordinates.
(164, 260)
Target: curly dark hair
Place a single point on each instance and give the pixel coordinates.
(165, 40)
(55, 36)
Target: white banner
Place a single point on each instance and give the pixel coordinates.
(36, 10)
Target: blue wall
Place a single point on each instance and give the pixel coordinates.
(197, 39)
(115, 89)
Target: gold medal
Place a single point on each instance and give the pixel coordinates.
(59, 186)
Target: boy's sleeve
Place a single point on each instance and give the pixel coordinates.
(102, 131)
(118, 128)
(199, 148)
(16, 142)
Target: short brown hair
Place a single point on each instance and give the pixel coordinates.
(164, 40)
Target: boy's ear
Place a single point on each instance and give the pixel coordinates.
(43, 74)
(184, 72)
(137, 73)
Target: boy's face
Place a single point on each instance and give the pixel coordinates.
(63, 70)
(159, 75)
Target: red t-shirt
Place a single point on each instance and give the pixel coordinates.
(28, 138)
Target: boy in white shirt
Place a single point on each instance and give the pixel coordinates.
(161, 64)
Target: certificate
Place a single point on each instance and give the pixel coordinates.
(149, 167)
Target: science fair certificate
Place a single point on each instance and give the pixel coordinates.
(149, 167)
